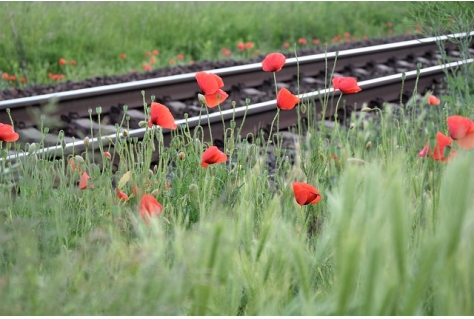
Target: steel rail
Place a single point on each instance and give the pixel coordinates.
(261, 113)
(184, 86)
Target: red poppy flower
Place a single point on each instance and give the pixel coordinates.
(286, 45)
(121, 194)
(273, 62)
(315, 41)
(213, 156)
(286, 100)
(149, 207)
(302, 41)
(7, 134)
(305, 194)
(461, 129)
(107, 154)
(248, 45)
(12, 78)
(5, 76)
(389, 24)
(155, 52)
(147, 54)
(146, 67)
(161, 115)
(62, 61)
(73, 62)
(209, 82)
(152, 60)
(347, 35)
(122, 56)
(442, 141)
(241, 46)
(180, 56)
(23, 79)
(226, 52)
(433, 100)
(171, 62)
(83, 182)
(346, 85)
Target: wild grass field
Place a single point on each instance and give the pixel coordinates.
(111, 38)
(386, 227)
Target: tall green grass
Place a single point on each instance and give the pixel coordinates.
(35, 35)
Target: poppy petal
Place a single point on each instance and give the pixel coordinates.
(459, 126)
(273, 62)
(467, 142)
(305, 193)
(7, 134)
(213, 100)
(161, 115)
(208, 83)
(149, 207)
(213, 156)
(286, 100)
(433, 100)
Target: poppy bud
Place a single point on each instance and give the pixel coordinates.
(366, 109)
(142, 124)
(155, 192)
(86, 142)
(193, 188)
(368, 145)
(31, 148)
(125, 133)
(202, 99)
(181, 155)
(79, 158)
(352, 126)
(108, 139)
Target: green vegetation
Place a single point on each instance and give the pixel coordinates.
(392, 234)
(35, 35)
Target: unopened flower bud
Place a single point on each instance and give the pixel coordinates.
(366, 109)
(352, 126)
(107, 154)
(32, 148)
(368, 145)
(87, 142)
(155, 192)
(181, 155)
(125, 133)
(202, 99)
(79, 158)
(109, 139)
(142, 124)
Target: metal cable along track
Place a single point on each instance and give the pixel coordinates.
(184, 86)
(256, 114)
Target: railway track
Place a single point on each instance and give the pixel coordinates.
(384, 59)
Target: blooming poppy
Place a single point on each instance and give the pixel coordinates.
(315, 41)
(7, 134)
(442, 141)
(149, 207)
(146, 67)
(461, 129)
(23, 79)
(346, 85)
(83, 182)
(121, 194)
(122, 56)
(248, 45)
(211, 84)
(155, 52)
(286, 45)
(213, 156)
(171, 62)
(161, 115)
(241, 46)
(62, 61)
(5, 76)
(73, 62)
(152, 60)
(286, 100)
(12, 78)
(302, 41)
(226, 52)
(273, 62)
(305, 194)
(433, 100)
(347, 35)
(180, 56)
